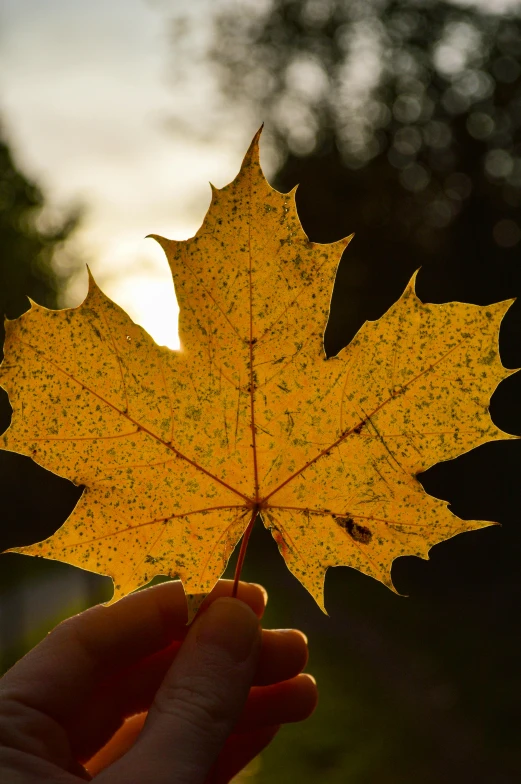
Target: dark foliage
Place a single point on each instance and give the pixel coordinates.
(33, 501)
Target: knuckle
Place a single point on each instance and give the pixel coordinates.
(71, 632)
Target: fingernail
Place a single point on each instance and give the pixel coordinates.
(230, 625)
(263, 590)
(309, 677)
(292, 631)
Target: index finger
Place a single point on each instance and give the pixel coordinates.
(58, 675)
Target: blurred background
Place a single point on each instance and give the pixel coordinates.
(401, 121)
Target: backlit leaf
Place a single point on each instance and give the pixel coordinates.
(179, 450)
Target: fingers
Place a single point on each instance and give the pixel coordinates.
(265, 710)
(283, 655)
(62, 671)
(281, 703)
(199, 701)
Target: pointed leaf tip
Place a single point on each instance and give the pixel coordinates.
(411, 285)
(163, 241)
(92, 285)
(252, 156)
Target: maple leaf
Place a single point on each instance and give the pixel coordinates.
(179, 451)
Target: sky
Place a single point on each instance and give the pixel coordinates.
(84, 101)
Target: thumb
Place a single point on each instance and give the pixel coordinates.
(199, 701)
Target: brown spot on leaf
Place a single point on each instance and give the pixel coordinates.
(360, 533)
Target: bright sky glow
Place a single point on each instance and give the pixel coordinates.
(84, 99)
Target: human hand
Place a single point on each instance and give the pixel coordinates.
(128, 694)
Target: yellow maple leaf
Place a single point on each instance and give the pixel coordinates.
(179, 451)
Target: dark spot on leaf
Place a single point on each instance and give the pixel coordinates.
(360, 533)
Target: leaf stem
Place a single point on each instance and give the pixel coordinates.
(242, 552)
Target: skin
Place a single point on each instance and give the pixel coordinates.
(128, 694)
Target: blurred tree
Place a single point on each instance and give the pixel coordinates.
(33, 501)
(30, 238)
